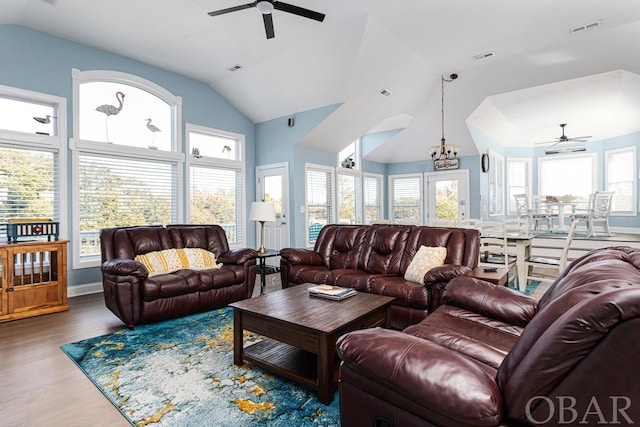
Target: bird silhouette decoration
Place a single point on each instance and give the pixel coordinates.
(44, 120)
(111, 110)
(154, 129)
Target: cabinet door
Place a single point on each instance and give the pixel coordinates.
(34, 274)
(4, 307)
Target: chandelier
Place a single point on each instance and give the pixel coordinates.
(445, 156)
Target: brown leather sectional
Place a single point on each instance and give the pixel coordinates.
(491, 356)
(137, 299)
(374, 258)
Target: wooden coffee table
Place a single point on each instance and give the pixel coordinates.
(301, 333)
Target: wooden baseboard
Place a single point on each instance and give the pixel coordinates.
(85, 289)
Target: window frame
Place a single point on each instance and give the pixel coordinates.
(218, 163)
(528, 191)
(496, 185)
(594, 169)
(379, 178)
(47, 143)
(330, 190)
(421, 200)
(634, 180)
(357, 197)
(79, 147)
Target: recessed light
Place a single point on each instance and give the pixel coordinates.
(235, 67)
(385, 92)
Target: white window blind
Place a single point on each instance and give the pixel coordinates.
(372, 198)
(320, 203)
(28, 186)
(216, 198)
(115, 192)
(620, 173)
(518, 173)
(496, 185)
(406, 198)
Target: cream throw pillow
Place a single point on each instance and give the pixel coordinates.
(170, 260)
(424, 260)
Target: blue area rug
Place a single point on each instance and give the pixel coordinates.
(181, 373)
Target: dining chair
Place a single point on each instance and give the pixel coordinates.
(469, 223)
(494, 247)
(444, 222)
(536, 215)
(544, 267)
(598, 211)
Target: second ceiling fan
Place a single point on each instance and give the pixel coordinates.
(564, 138)
(266, 8)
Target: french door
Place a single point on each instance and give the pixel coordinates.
(447, 195)
(273, 186)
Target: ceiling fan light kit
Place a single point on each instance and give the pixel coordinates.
(267, 7)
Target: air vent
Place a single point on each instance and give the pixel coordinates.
(385, 92)
(235, 67)
(585, 27)
(483, 56)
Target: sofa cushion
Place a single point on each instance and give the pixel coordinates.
(408, 294)
(308, 274)
(424, 260)
(383, 248)
(170, 260)
(215, 279)
(181, 282)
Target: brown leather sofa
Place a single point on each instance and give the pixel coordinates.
(374, 258)
(137, 299)
(491, 356)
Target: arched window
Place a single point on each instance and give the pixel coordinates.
(125, 171)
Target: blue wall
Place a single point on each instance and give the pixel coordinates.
(39, 62)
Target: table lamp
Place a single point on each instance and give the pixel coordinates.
(262, 212)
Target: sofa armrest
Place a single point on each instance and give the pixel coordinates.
(124, 267)
(445, 273)
(496, 302)
(301, 256)
(437, 378)
(238, 256)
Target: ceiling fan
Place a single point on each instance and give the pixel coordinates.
(266, 7)
(564, 138)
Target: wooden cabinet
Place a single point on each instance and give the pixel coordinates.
(34, 279)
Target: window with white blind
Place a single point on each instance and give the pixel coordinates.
(620, 173)
(567, 175)
(518, 181)
(32, 172)
(216, 180)
(349, 192)
(405, 195)
(372, 197)
(125, 173)
(496, 184)
(319, 199)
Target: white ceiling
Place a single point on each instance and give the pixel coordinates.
(401, 45)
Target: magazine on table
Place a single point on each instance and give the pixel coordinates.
(331, 292)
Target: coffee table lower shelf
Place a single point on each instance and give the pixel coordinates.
(285, 360)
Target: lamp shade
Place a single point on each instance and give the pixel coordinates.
(262, 211)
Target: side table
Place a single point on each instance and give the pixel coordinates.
(499, 277)
(264, 269)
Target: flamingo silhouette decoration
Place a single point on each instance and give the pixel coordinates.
(154, 129)
(111, 110)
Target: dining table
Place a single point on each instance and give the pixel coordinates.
(522, 243)
(559, 207)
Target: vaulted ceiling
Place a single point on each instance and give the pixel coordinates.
(540, 75)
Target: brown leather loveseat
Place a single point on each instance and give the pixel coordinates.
(135, 298)
(491, 356)
(374, 259)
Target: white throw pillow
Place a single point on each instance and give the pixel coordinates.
(424, 260)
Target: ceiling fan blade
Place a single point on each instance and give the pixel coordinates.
(232, 9)
(575, 138)
(296, 10)
(548, 142)
(268, 25)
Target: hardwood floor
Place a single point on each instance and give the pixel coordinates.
(40, 385)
